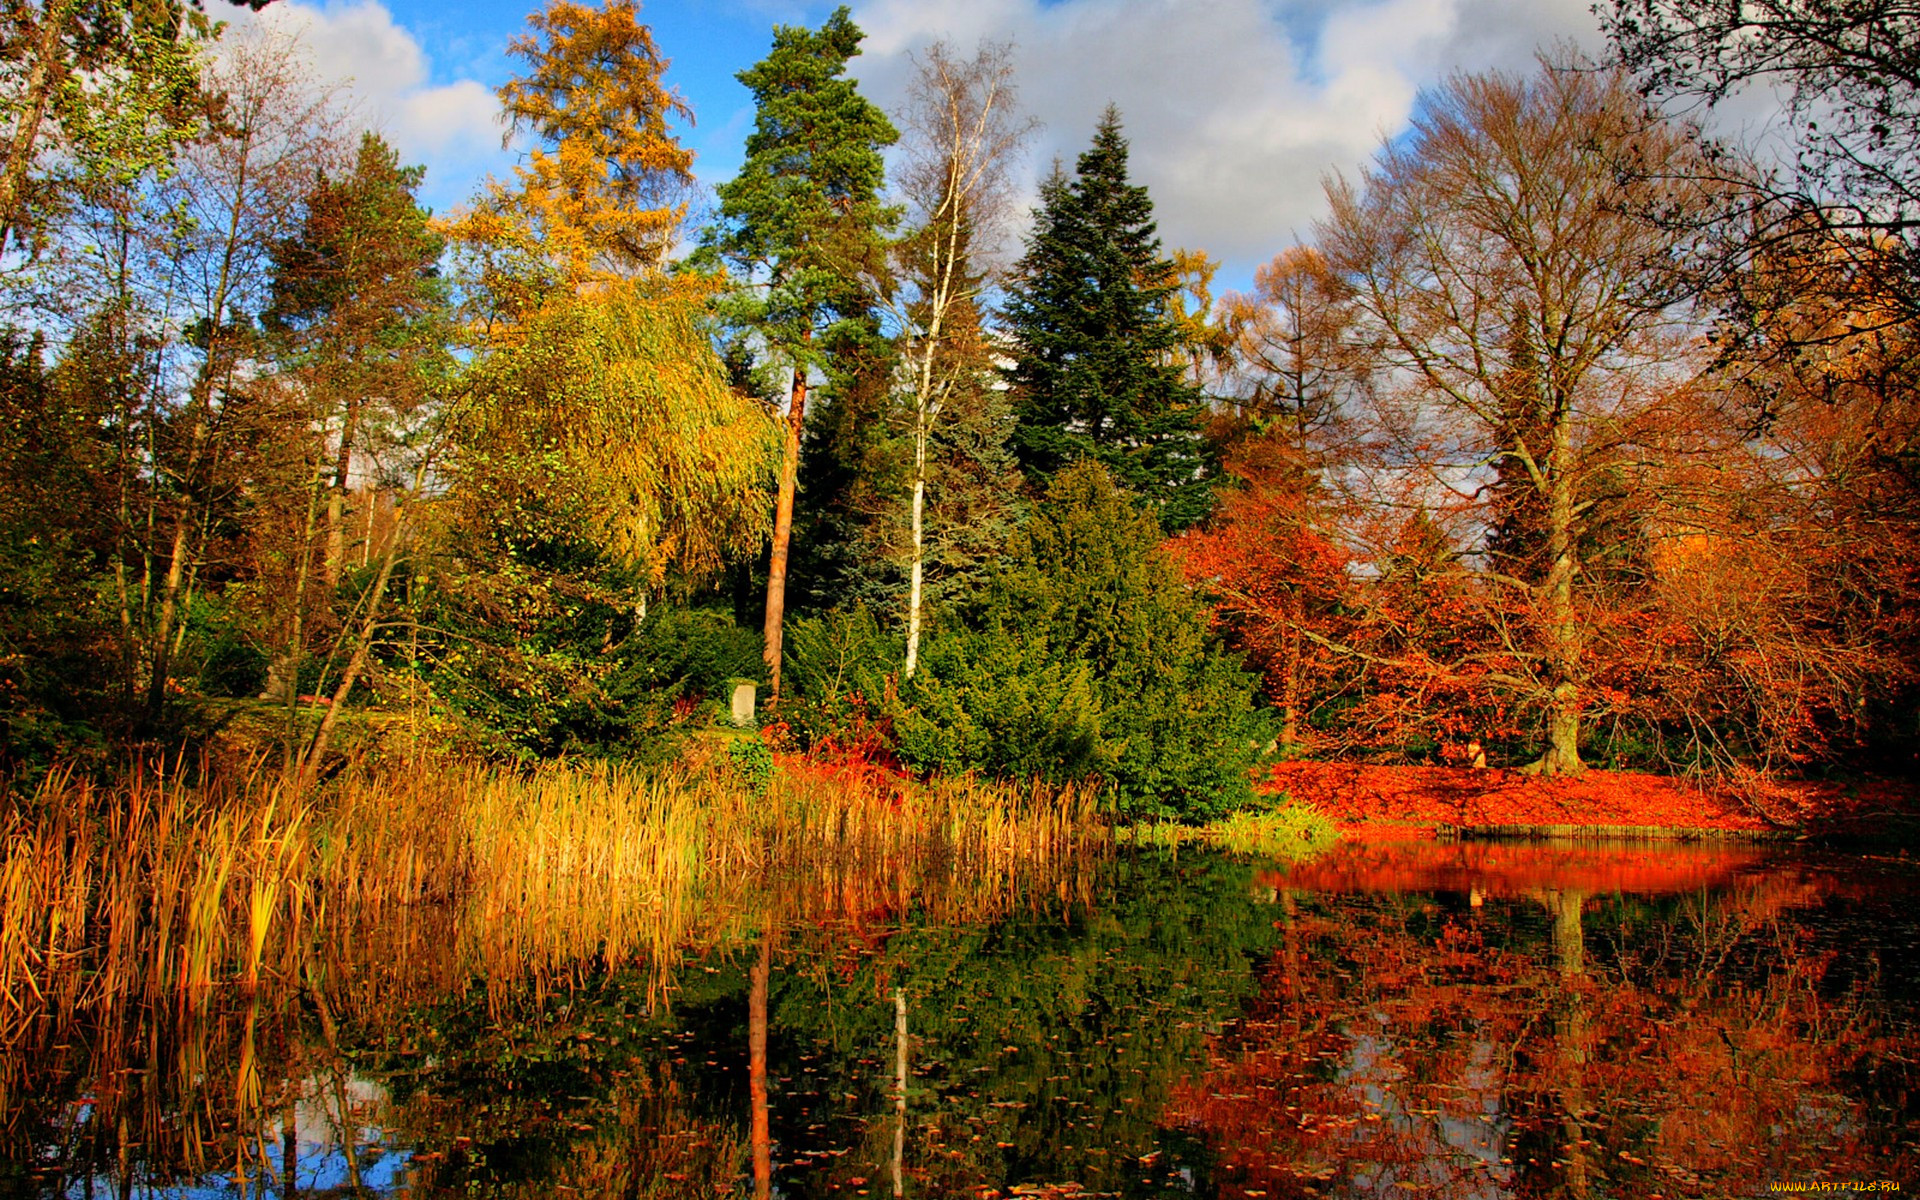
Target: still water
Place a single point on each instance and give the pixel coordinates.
(1451, 1020)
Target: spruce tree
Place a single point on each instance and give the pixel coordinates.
(1097, 370)
(1084, 655)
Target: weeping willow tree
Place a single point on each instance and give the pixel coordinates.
(610, 423)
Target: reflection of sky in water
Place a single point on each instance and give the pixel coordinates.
(1451, 1141)
(1378, 1040)
(322, 1161)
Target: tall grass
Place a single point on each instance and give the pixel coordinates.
(1288, 831)
(177, 933)
(159, 889)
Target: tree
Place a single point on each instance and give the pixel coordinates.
(93, 275)
(68, 64)
(1784, 503)
(800, 228)
(1497, 262)
(1086, 656)
(358, 306)
(1850, 70)
(604, 191)
(1271, 556)
(605, 456)
(1276, 575)
(358, 313)
(240, 192)
(962, 136)
(1297, 369)
(1098, 370)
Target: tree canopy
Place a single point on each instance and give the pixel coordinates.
(1096, 368)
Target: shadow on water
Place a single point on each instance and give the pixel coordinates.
(1457, 1020)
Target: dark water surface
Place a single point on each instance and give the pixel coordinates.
(1470, 1020)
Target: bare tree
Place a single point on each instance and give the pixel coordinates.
(243, 189)
(1521, 314)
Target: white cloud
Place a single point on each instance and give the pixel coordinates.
(1235, 109)
(454, 128)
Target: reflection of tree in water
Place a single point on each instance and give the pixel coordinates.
(1176, 1024)
(1550, 1043)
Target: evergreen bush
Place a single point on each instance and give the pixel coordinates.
(1086, 655)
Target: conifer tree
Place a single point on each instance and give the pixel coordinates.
(606, 188)
(1100, 371)
(359, 313)
(358, 306)
(1085, 656)
(801, 228)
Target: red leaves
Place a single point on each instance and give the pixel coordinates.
(1386, 800)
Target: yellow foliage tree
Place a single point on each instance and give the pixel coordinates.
(612, 422)
(603, 191)
(601, 412)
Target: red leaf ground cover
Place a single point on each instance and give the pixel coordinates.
(1392, 801)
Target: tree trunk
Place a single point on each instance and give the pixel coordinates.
(1290, 686)
(1562, 632)
(200, 408)
(915, 589)
(899, 1091)
(783, 536)
(176, 578)
(761, 1135)
(283, 669)
(43, 78)
(357, 662)
(337, 496)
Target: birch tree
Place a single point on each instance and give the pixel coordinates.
(962, 134)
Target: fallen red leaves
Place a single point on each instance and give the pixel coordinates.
(1366, 799)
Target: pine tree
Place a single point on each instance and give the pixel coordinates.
(1099, 369)
(358, 313)
(358, 306)
(801, 229)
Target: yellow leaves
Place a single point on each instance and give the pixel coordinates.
(617, 395)
(605, 193)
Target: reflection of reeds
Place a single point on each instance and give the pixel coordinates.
(189, 904)
(164, 889)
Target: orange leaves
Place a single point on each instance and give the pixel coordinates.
(1390, 801)
(604, 192)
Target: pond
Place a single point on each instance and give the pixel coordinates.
(1450, 1020)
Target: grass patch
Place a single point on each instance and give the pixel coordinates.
(1288, 830)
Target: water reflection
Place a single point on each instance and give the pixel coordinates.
(1467, 1021)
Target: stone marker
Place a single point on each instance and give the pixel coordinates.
(743, 697)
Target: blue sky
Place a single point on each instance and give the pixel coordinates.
(1236, 109)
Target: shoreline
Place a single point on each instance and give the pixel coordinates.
(1373, 803)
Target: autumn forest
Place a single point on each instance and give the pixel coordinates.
(1570, 431)
(408, 618)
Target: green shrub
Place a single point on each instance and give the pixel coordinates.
(1086, 655)
(838, 673)
(688, 651)
(539, 669)
(752, 762)
(990, 700)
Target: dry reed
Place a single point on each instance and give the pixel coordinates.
(157, 889)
